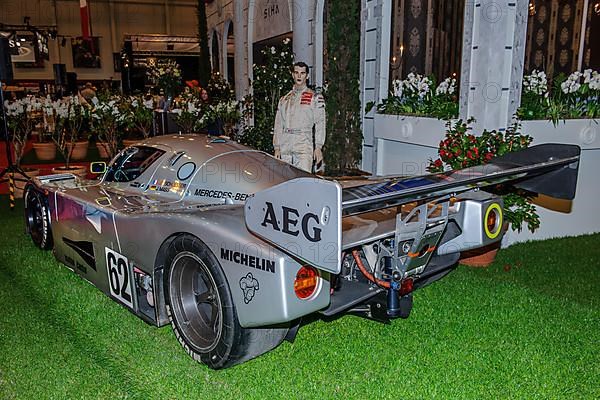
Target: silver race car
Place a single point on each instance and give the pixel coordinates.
(233, 247)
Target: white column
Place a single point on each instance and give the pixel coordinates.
(376, 21)
(240, 57)
(318, 49)
(302, 21)
(492, 61)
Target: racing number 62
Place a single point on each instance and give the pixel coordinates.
(117, 267)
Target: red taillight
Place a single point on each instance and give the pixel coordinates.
(306, 283)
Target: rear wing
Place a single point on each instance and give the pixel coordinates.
(304, 216)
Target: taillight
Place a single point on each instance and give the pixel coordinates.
(493, 221)
(307, 282)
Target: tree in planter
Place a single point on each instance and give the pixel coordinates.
(342, 150)
(142, 114)
(69, 117)
(271, 81)
(190, 112)
(109, 117)
(21, 118)
(461, 149)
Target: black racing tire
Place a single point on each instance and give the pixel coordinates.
(37, 219)
(201, 309)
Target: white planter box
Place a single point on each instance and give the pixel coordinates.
(583, 216)
(404, 144)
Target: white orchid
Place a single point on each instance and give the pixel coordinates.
(536, 83)
(447, 86)
(571, 85)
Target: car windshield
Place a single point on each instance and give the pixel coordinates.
(131, 163)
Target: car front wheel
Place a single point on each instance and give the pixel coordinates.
(37, 219)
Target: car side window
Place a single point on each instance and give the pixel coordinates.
(131, 163)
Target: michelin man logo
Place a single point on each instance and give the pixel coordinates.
(249, 286)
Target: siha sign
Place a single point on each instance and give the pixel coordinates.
(271, 19)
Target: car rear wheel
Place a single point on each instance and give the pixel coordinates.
(202, 312)
(37, 219)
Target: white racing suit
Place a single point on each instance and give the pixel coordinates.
(297, 113)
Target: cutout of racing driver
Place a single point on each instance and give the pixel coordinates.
(297, 113)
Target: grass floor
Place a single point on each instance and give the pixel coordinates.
(526, 327)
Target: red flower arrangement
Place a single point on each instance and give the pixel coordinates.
(461, 149)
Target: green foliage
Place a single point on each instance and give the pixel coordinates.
(272, 80)
(342, 150)
(219, 89)
(461, 149)
(166, 75)
(204, 56)
(416, 96)
(575, 96)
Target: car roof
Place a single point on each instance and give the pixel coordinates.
(199, 147)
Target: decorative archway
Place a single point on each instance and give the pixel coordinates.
(228, 52)
(214, 52)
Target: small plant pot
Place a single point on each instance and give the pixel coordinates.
(481, 257)
(130, 142)
(45, 151)
(103, 149)
(79, 151)
(78, 170)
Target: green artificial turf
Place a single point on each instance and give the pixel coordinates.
(526, 327)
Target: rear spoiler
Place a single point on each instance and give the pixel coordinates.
(303, 216)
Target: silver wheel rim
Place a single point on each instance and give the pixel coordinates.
(195, 302)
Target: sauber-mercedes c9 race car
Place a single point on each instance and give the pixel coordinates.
(233, 247)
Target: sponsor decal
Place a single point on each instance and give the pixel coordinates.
(219, 194)
(306, 98)
(290, 218)
(249, 286)
(248, 260)
(167, 186)
(186, 170)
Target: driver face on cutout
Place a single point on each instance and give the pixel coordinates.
(299, 75)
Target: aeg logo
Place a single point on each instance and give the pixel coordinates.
(291, 217)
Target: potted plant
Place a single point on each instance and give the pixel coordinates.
(45, 149)
(141, 111)
(21, 117)
(575, 96)
(108, 118)
(69, 117)
(190, 112)
(226, 113)
(166, 75)
(416, 96)
(461, 149)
